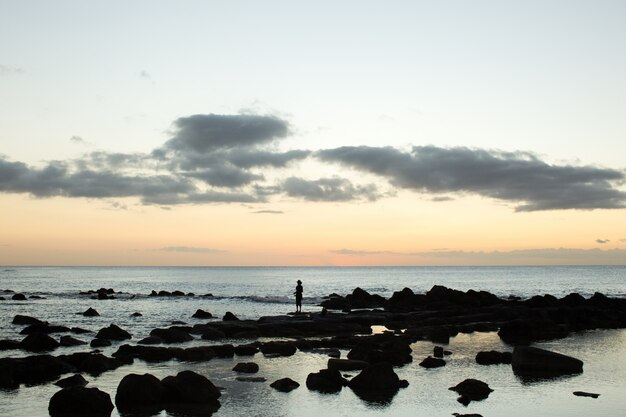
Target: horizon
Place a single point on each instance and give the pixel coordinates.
(351, 134)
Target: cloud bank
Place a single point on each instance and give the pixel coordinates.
(212, 158)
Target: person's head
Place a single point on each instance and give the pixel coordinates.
(299, 282)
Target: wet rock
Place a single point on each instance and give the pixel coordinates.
(113, 332)
(377, 382)
(71, 341)
(246, 367)
(431, 362)
(332, 352)
(326, 381)
(150, 340)
(38, 342)
(471, 390)
(92, 363)
(98, 343)
(78, 330)
(229, 317)
(382, 348)
(172, 335)
(188, 387)
(179, 323)
(31, 370)
(585, 394)
(18, 297)
(493, 357)
(80, 401)
(8, 344)
(44, 328)
(140, 394)
(517, 332)
(438, 352)
(201, 314)
(26, 320)
(90, 312)
(284, 385)
(72, 381)
(532, 361)
(213, 334)
(177, 293)
(136, 314)
(439, 335)
(347, 364)
(279, 348)
(573, 300)
(247, 349)
(467, 415)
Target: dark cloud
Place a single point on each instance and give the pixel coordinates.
(602, 241)
(204, 133)
(77, 139)
(189, 249)
(225, 175)
(245, 158)
(518, 177)
(329, 189)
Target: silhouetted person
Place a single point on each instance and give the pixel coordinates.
(298, 294)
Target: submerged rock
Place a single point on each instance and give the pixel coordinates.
(284, 385)
(230, 317)
(493, 357)
(585, 394)
(201, 314)
(326, 381)
(431, 362)
(113, 332)
(140, 393)
(90, 312)
(246, 367)
(38, 342)
(72, 381)
(471, 390)
(20, 319)
(347, 364)
(377, 382)
(71, 341)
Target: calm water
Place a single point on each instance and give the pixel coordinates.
(254, 292)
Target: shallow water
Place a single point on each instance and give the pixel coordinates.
(253, 292)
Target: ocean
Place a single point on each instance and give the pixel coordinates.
(252, 292)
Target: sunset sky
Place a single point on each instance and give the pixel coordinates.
(312, 133)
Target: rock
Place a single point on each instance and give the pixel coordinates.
(72, 381)
(467, 415)
(438, 352)
(284, 385)
(377, 382)
(573, 300)
(188, 387)
(251, 379)
(213, 334)
(347, 364)
(93, 363)
(229, 317)
(19, 319)
(7, 344)
(38, 342)
(247, 350)
(136, 314)
(493, 357)
(471, 390)
(431, 362)
(18, 297)
(172, 335)
(326, 381)
(382, 348)
(179, 323)
(164, 293)
(70, 341)
(140, 394)
(177, 293)
(280, 348)
(532, 361)
(44, 328)
(90, 312)
(439, 335)
(246, 367)
(80, 401)
(332, 352)
(78, 330)
(113, 332)
(585, 394)
(150, 340)
(31, 370)
(201, 314)
(97, 343)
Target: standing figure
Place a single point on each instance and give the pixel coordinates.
(298, 294)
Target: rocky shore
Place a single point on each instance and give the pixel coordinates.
(342, 323)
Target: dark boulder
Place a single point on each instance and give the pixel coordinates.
(172, 335)
(471, 390)
(8, 344)
(18, 297)
(517, 332)
(188, 387)
(438, 352)
(71, 341)
(246, 367)
(136, 314)
(284, 385)
(38, 342)
(177, 293)
(347, 364)
(44, 328)
(72, 381)
(573, 300)
(78, 330)
(113, 332)
(585, 394)
(229, 317)
(532, 361)
(431, 362)
(90, 312)
(201, 314)
(31, 370)
(377, 383)
(249, 349)
(326, 381)
(150, 340)
(19, 319)
(140, 394)
(493, 357)
(211, 333)
(80, 401)
(279, 348)
(98, 343)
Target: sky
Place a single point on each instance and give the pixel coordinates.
(312, 133)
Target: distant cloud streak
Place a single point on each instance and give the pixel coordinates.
(602, 241)
(189, 249)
